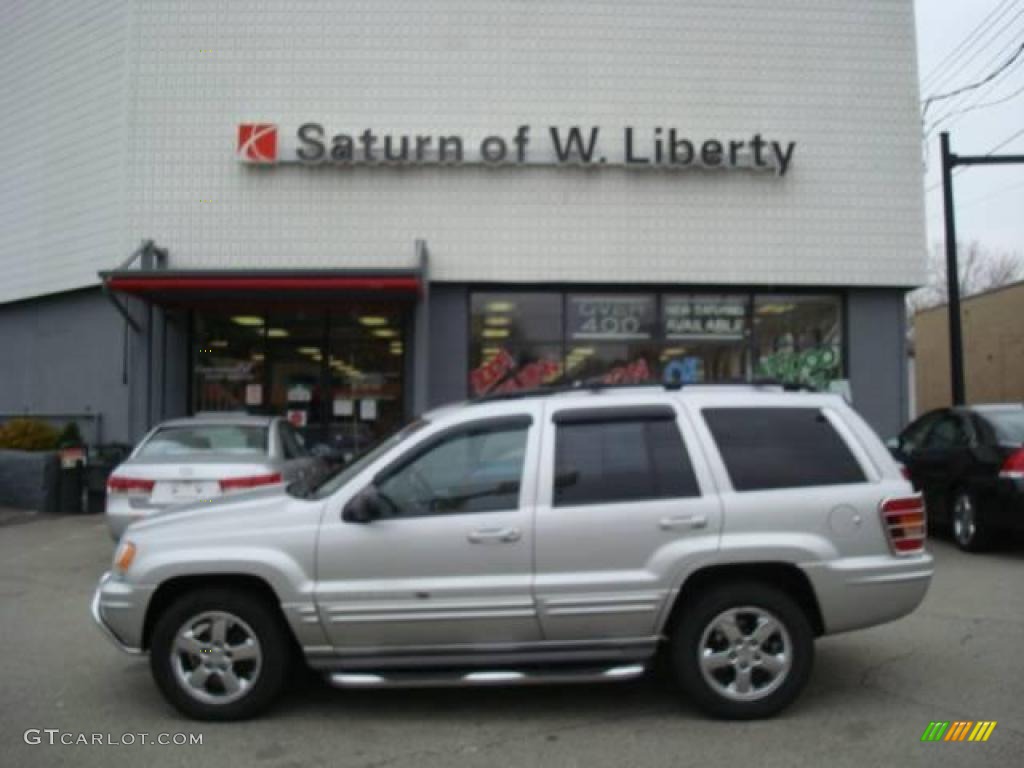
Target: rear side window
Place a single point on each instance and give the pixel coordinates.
(765, 448)
(625, 459)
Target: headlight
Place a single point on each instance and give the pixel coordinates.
(123, 556)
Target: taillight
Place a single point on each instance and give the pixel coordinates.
(1013, 467)
(254, 481)
(129, 486)
(904, 521)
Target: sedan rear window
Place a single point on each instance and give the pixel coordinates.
(236, 439)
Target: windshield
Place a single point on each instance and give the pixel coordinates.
(242, 440)
(346, 473)
(1009, 425)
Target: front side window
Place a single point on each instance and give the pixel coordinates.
(206, 438)
(632, 459)
(478, 469)
(766, 448)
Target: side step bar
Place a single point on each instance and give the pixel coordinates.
(476, 678)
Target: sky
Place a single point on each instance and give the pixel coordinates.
(989, 199)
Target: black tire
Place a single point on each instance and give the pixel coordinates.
(273, 644)
(964, 511)
(688, 634)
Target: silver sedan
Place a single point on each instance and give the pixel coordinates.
(205, 457)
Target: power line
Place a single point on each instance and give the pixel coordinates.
(934, 76)
(964, 89)
(990, 195)
(966, 100)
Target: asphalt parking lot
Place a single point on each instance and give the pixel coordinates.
(959, 657)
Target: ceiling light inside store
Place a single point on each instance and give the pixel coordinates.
(257, 357)
(495, 333)
(309, 350)
(499, 306)
(219, 343)
(249, 320)
(277, 333)
(385, 333)
(775, 309)
(497, 320)
(373, 320)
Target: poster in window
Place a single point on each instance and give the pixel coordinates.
(705, 318)
(611, 317)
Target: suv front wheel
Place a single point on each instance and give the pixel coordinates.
(742, 651)
(220, 654)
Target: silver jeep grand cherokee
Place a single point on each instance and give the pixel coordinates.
(568, 536)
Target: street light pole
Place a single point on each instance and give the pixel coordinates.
(956, 347)
(949, 162)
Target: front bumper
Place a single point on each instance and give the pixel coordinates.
(119, 610)
(859, 592)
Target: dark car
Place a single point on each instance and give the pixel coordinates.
(969, 463)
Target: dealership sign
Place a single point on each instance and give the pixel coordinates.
(312, 144)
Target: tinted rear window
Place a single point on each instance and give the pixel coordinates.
(206, 438)
(622, 460)
(1009, 425)
(765, 448)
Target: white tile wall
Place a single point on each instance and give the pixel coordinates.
(62, 118)
(836, 76)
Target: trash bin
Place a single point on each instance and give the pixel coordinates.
(69, 484)
(102, 460)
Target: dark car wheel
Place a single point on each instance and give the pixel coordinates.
(742, 651)
(220, 654)
(968, 532)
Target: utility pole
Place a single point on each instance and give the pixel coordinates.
(949, 162)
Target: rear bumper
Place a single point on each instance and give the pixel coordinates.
(119, 610)
(1005, 509)
(854, 593)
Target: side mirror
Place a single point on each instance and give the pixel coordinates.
(365, 507)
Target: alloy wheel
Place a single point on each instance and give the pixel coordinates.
(745, 654)
(216, 657)
(965, 523)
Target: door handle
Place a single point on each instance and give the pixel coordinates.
(682, 521)
(494, 536)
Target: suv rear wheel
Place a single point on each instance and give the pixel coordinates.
(220, 654)
(742, 651)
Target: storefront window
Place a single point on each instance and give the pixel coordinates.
(528, 340)
(336, 374)
(706, 337)
(611, 338)
(798, 338)
(228, 363)
(516, 341)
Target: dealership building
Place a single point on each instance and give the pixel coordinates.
(349, 212)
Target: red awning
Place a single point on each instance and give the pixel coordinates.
(178, 286)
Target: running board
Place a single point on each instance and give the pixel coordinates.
(478, 678)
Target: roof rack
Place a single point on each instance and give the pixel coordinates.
(596, 385)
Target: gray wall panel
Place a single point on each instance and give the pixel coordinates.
(877, 357)
(449, 343)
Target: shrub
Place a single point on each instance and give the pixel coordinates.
(28, 435)
(70, 436)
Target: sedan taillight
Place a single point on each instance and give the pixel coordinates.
(129, 486)
(1013, 467)
(254, 481)
(904, 521)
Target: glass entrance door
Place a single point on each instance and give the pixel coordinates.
(334, 372)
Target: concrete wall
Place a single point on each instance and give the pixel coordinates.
(876, 357)
(838, 77)
(62, 115)
(993, 337)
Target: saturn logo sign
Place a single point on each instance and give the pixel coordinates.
(257, 143)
